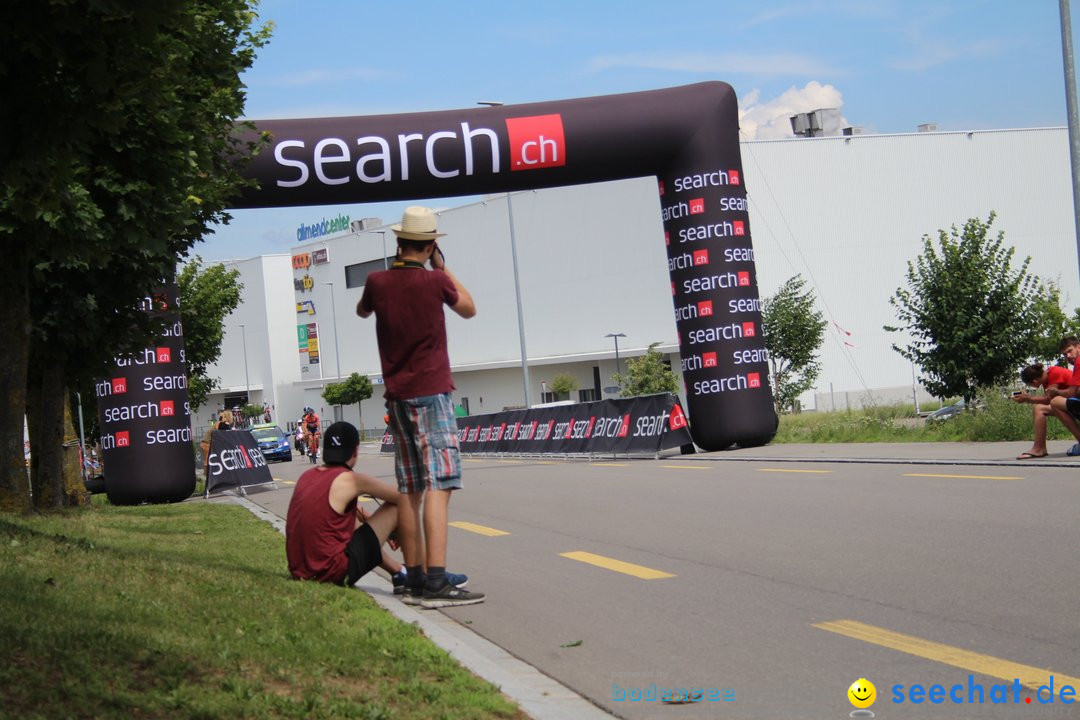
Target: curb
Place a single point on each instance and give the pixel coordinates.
(539, 696)
(886, 461)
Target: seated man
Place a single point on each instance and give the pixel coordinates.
(1056, 386)
(328, 536)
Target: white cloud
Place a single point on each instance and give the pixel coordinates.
(718, 64)
(770, 119)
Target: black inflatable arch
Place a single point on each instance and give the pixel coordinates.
(687, 137)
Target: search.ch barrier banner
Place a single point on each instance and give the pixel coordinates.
(646, 424)
(235, 461)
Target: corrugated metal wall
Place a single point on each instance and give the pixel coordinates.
(848, 213)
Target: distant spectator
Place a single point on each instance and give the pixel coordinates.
(1057, 384)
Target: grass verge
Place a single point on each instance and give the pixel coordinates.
(998, 420)
(187, 611)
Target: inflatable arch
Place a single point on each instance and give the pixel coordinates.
(686, 137)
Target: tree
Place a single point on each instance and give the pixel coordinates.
(794, 331)
(972, 319)
(1053, 325)
(207, 296)
(562, 385)
(647, 375)
(128, 152)
(355, 389)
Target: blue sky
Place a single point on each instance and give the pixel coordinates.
(888, 66)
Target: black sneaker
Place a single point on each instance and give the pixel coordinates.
(412, 595)
(448, 596)
(398, 580)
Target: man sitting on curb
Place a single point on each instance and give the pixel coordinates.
(328, 537)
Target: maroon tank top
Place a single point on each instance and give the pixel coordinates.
(316, 534)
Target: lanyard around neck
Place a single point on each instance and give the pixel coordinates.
(402, 264)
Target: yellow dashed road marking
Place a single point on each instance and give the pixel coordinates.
(478, 529)
(966, 477)
(1030, 677)
(639, 571)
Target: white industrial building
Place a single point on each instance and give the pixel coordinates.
(846, 212)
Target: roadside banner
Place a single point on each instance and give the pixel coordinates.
(235, 461)
(644, 425)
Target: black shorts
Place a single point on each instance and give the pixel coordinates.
(1073, 406)
(364, 553)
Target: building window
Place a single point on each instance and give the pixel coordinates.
(357, 275)
(589, 395)
(550, 397)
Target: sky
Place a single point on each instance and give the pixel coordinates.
(888, 66)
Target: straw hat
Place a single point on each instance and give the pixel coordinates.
(417, 223)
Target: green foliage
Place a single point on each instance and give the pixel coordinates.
(563, 384)
(207, 296)
(1053, 325)
(129, 153)
(355, 389)
(794, 331)
(647, 375)
(972, 319)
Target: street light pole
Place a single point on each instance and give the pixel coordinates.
(247, 378)
(517, 294)
(385, 263)
(337, 352)
(1071, 110)
(517, 283)
(333, 310)
(616, 336)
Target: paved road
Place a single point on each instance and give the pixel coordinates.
(775, 581)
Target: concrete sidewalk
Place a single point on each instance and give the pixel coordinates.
(958, 453)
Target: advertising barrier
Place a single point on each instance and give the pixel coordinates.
(145, 417)
(235, 461)
(685, 137)
(641, 425)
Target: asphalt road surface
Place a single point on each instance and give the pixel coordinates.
(772, 587)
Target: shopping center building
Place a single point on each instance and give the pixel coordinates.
(556, 273)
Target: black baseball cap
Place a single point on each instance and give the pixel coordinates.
(339, 442)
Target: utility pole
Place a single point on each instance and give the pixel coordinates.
(1070, 106)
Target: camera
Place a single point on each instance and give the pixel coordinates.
(1017, 393)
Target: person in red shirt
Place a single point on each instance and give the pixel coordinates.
(407, 302)
(328, 537)
(1058, 384)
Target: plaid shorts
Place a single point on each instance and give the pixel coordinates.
(426, 452)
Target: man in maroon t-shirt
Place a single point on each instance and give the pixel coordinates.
(1052, 403)
(407, 302)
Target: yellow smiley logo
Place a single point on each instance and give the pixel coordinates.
(862, 693)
